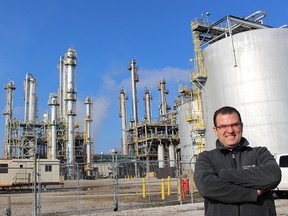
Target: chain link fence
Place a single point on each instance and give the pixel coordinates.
(62, 189)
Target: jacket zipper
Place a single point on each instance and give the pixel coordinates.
(235, 166)
(234, 159)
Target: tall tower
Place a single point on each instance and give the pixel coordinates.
(70, 100)
(163, 106)
(134, 77)
(88, 120)
(147, 101)
(30, 99)
(9, 87)
(123, 116)
(52, 151)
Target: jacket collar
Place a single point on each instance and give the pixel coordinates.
(238, 147)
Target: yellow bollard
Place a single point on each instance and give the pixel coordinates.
(169, 186)
(163, 188)
(144, 187)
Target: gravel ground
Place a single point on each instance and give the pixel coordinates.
(196, 209)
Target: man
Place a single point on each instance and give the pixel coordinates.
(233, 178)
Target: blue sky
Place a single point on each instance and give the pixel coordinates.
(107, 34)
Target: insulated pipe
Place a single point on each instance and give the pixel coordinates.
(88, 120)
(123, 117)
(172, 155)
(147, 102)
(253, 16)
(70, 64)
(53, 102)
(161, 155)
(134, 77)
(10, 87)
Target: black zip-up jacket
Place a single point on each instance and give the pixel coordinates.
(228, 180)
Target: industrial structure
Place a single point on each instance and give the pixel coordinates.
(57, 135)
(241, 62)
(148, 139)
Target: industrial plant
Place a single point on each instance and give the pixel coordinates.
(237, 61)
(57, 135)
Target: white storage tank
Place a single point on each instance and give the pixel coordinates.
(256, 85)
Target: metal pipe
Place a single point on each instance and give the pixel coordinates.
(232, 42)
(263, 14)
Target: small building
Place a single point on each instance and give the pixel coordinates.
(20, 172)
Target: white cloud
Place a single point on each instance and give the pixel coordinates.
(100, 109)
(149, 78)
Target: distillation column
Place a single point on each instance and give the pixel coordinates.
(10, 87)
(70, 98)
(147, 101)
(53, 102)
(62, 89)
(88, 121)
(123, 117)
(30, 99)
(163, 107)
(134, 76)
(29, 134)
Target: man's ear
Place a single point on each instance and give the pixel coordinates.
(215, 130)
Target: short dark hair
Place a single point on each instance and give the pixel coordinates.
(226, 110)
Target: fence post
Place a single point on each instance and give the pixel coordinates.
(178, 167)
(192, 187)
(115, 177)
(7, 211)
(35, 185)
(76, 166)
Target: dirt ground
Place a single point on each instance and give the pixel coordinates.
(83, 195)
(196, 209)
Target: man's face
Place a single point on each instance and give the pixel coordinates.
(228, 129)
